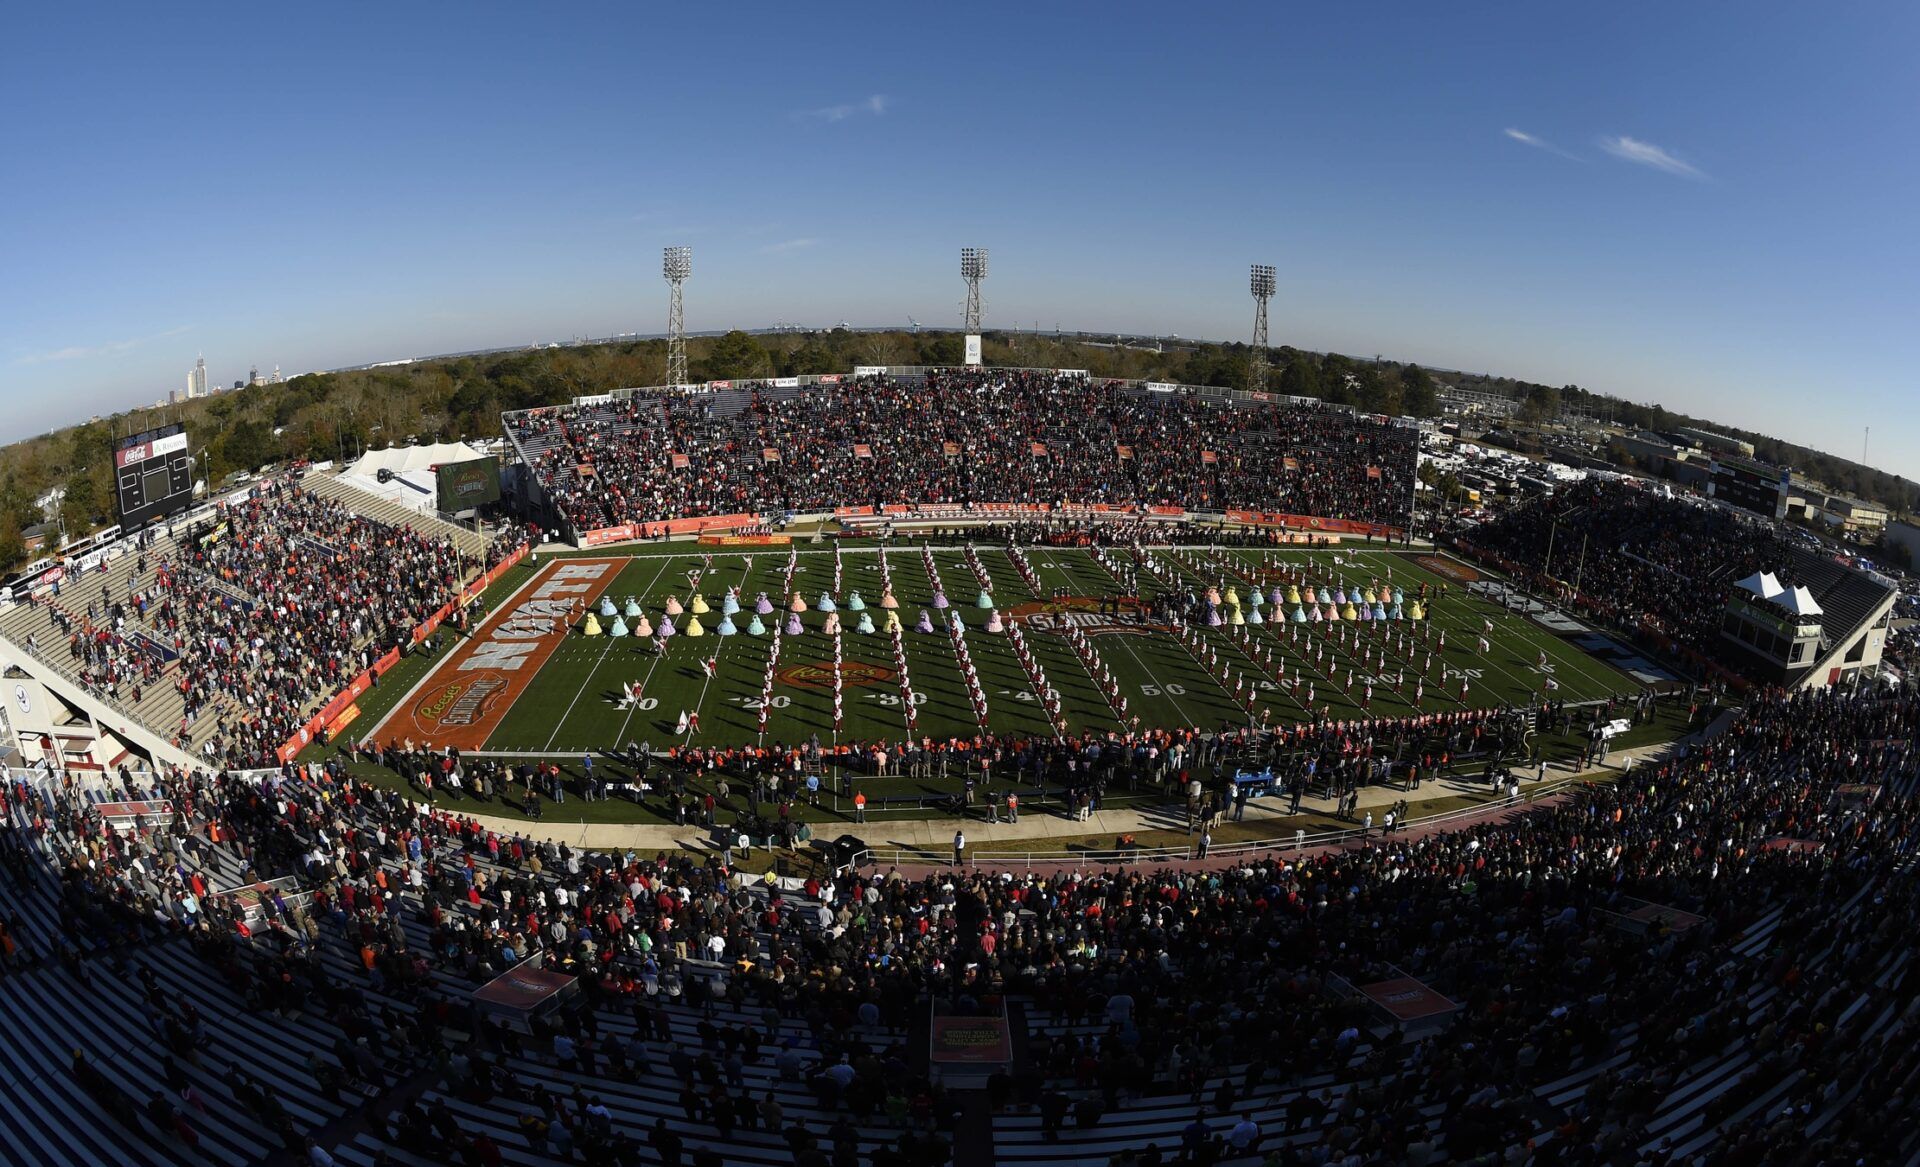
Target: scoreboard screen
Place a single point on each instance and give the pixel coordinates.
(153, 475)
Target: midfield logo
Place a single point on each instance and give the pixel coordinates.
(1450, 568)
(853, 675)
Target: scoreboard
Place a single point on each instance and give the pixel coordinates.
(153, 475)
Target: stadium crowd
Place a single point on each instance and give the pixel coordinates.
(757, 790)
(1649, 557)
(262, 611)
(961, 436)
(1803, 810)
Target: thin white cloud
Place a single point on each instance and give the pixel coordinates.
(789, 245)
(1647, 154)
(72, 352)
(78, 352)
(1539, 143)
(874, 106)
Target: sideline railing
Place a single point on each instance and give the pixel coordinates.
(1298, 841)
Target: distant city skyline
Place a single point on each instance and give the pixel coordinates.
(1626, 198)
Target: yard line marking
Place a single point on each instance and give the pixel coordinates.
(1532, 634)
(666, 561)
(606, 649)
(700, 705)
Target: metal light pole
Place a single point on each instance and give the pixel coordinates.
(676, 264)
(973, 269)
(1261, 283)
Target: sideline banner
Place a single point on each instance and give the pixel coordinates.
(626, 532)
(1313, 523)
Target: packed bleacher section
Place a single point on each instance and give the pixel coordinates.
(1640, 556)
(1764, 1012)
(223, 634)
(958, 437)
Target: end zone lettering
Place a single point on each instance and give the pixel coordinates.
(510, 642)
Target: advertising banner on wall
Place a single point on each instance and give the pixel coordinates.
(973, 348)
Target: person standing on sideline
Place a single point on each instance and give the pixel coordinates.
(1013, 807)
(960, 848)
(859, 806)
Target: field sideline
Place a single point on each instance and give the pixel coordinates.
(569, 703)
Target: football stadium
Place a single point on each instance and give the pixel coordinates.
(979, 701)
(935, 746)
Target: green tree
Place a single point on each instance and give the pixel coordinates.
(249, 446)
(13, 549)
(83, 506)
(945, 348)
(1541, 404)
(1418, 397)
(811, 357)
(735, 356)
(1301, 378)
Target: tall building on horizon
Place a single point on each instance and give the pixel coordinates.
(197, 379)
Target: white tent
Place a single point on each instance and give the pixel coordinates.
(411, 483)
(1763, 584)
(409, 459)
(1800, 602)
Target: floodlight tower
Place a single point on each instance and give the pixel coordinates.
(973, 269)
(1261, 284)
(676, 264)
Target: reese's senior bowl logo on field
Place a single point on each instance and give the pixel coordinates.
(462, 702)
(853, 675)
(1123, 616)
(1451, 569)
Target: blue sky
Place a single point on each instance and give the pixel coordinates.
(1708, 205)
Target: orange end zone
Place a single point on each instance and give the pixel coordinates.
(464, 699)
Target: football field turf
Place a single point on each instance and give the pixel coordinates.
(571, 704)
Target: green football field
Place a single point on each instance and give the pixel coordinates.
(573, 703)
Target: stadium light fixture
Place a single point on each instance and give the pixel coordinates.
(1261, 283)
(973, 269)
(676, 264)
